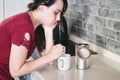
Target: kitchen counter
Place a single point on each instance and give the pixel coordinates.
(99, 70)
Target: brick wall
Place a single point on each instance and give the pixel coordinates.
(97, 21)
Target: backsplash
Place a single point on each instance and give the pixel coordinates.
(97, 21)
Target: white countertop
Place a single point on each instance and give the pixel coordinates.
(99, 70)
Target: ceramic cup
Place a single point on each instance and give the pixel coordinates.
(63, 62)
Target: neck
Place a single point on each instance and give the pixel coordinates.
(33, 18)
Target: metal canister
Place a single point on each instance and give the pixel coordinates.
(82, 55)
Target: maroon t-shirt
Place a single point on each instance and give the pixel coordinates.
(18, 30)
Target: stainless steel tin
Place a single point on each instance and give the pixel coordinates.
(82, 64)
(82, 55)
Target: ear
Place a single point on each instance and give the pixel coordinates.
(41, 8)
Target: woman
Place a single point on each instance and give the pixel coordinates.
(17, 38)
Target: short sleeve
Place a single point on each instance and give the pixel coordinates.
(21, 36)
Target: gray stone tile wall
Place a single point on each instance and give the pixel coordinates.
(97, 21)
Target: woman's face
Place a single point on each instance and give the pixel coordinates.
(51, 15)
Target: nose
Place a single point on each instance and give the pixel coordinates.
(58, 17)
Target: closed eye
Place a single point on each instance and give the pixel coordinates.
(58, 11)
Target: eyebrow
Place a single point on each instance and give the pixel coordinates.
(59, 10)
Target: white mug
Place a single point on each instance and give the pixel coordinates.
(63, 62)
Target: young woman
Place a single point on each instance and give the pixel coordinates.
(18, 38)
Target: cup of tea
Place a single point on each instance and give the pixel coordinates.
(63, 62)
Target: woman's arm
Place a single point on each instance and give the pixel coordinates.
(19, 66)
(48, 38)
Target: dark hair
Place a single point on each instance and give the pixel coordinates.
(40, 38)
(35, 4)
(64, 7)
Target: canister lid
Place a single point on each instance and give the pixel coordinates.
(83, 53)
(83, 44)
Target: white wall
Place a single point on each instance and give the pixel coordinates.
(1, 10)
(15, 6)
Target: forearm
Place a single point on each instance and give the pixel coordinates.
(32, 65)
(48, 39)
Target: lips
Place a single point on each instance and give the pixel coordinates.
(54, 23)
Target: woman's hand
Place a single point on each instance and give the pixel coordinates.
(55, 52)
